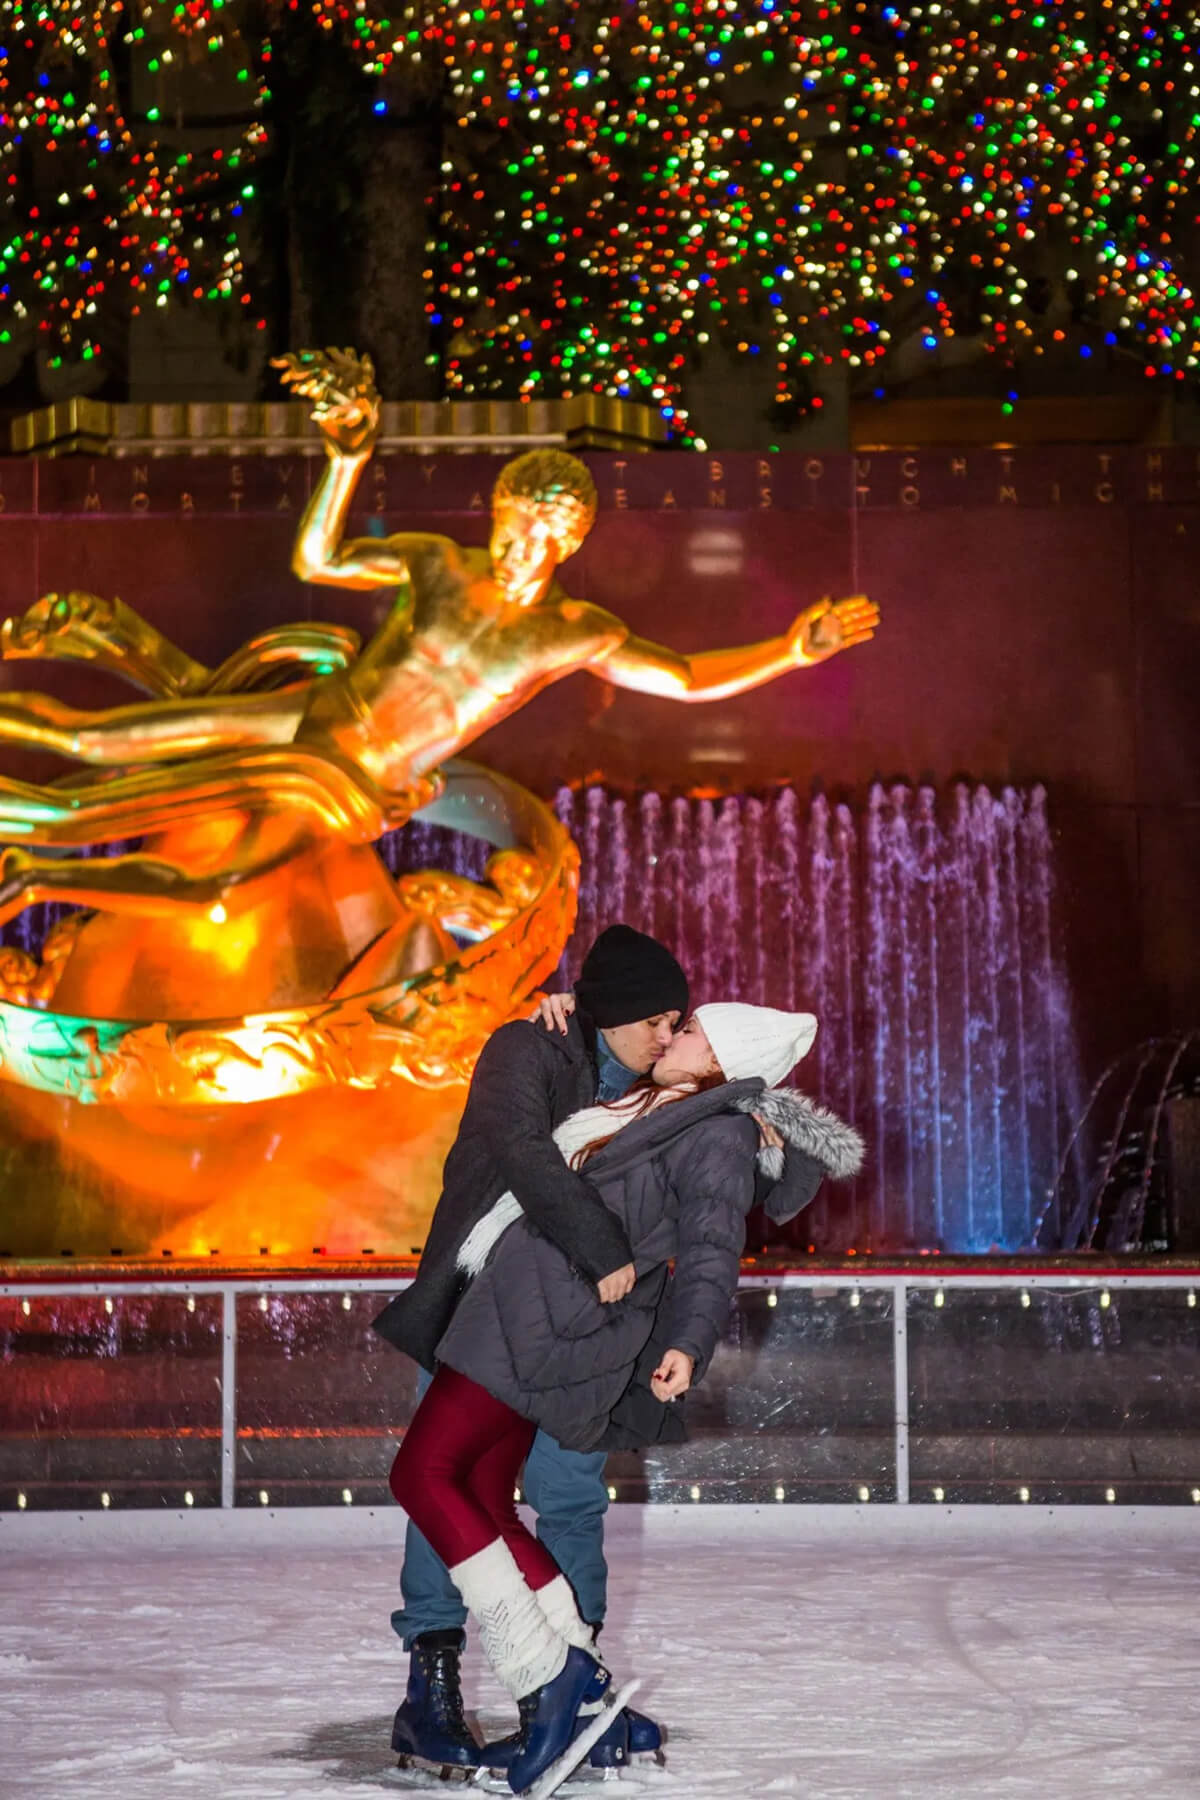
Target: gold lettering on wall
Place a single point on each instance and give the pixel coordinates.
(958, 465)
(862, 493)
(91, 501)
(1006, 463)
(910, 496)
(1006, 496)
(140, 501)
(1055, 493)
(1154, 490)
(476, 502)
(186, 503)
(1105, 461)
(716, 496)
(1104, 492)
(814, 468)
(235, 501)
(910, 468)
(765, 502)
(667, 503)
(621, 498)
(237, 477)
(1153, 462)
(716, 471)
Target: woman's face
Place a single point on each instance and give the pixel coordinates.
(688, 1057)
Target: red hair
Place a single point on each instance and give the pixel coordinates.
(647, 1096)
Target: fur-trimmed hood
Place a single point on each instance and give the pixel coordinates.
(810, 1128)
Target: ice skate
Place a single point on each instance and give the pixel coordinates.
(430, 1732)
(561, 1722)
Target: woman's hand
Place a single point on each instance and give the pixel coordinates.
(769, 1138)
(554, 1010)
(617, 1285)
(673, 1376)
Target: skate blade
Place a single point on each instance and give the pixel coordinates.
(411, 1771)
(551, 1779)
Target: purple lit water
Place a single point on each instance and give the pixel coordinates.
(919, 932)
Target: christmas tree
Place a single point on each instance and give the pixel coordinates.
(594, 190)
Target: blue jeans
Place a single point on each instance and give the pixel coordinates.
(566, 1490)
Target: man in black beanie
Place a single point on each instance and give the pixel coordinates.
(630, 995)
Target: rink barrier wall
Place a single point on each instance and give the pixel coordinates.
(1093, 1378)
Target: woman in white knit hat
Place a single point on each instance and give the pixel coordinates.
(531, 1345)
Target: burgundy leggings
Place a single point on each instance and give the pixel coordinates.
(456, 1470)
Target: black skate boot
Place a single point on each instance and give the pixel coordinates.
(430, 1727)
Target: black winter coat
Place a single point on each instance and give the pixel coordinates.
(526, 1082)
(533, 1331)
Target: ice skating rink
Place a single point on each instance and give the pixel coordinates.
(844, 1654)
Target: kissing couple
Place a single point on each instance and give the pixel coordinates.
(618, 1135)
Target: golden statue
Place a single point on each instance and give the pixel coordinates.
(471, 636)
(254, 946)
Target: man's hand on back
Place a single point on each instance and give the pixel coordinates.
(617, 1285)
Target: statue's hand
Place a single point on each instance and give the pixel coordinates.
(341, 386)
(829, 626)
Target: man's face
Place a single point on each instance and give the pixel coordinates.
(523, 548)
(640, 1045)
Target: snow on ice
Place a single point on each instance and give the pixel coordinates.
(915, 1653)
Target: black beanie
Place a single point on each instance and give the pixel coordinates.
(628, 976)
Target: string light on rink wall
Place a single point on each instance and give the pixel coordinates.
(806, 184)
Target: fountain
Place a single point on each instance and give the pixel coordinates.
(920, 933)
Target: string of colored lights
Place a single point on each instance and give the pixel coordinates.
(625, 182)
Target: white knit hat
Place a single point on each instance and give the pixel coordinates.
(756, 1040)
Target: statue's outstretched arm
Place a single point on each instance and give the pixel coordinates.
(341, 386)
(83, 627)
(819, 633)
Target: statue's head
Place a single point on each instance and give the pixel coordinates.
(543, 506)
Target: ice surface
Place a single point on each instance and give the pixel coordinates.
(843, 1654)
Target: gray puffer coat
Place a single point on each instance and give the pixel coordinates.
(534, 1332)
